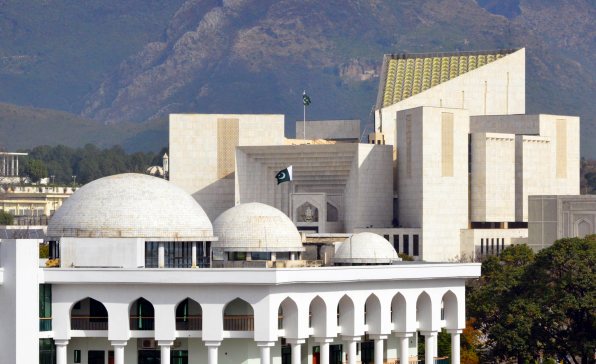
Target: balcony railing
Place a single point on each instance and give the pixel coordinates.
(45, 324)
(239, 323)
(142, 323)
(88, 323)
(190, 323)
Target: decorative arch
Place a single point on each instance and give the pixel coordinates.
(346, 315)
(373, 314)
(583, 227)
(88, 314)
(142, 315)
(318, 316)
(289, 319)
(238, 315)
(189, 315)
(399, 312)
(424, 312)
(307, 212)
(450, 311)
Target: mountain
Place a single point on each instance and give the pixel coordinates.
(24, 127)
(135, 61)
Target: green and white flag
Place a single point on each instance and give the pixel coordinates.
(305, 99)
(284, 175)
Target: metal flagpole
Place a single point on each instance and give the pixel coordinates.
(304, 129)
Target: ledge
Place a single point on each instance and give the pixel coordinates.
(404, 271)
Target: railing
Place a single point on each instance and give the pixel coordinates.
(189, 323)
(142, 323)
(88, 323)
(239, 323)
(45, 324)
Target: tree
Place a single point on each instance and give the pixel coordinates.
(36, 170)
(6, 218)
(470, 341)
(405, 257)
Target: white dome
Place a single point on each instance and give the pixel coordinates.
(256, 227)
(365, 248)
(133, 206)
(155, 171)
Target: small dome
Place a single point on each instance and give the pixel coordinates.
(256, 227)
(130, 205)
(155, 171)
(365, 248)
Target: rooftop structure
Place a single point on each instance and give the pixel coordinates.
(365, 248)
(9, 164)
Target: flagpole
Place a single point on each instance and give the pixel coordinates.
(304, 130)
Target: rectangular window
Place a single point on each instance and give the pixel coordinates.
(77, 356)
(151, 258)
(260, 256)
(282, 256)
(47, 351)
(497, 245)
(54, 250)
(178, 254)
(179, 356)
(45, 307)
(236, 256)
(396, 243)
(407, 244)
(492, 245)
(386, 237)
(502, 243)
(481, 246)
(415, 246)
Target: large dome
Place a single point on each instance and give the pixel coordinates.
(130, 205)
(365, 248)
(256, 227)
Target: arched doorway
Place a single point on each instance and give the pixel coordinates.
(189, 315)
(142, 315)
(88, 314)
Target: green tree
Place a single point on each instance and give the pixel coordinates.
(405, 257)
(6, 218)
(44, 251)
(36, 170)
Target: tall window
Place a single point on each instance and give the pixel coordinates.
(54, 250)
(47, 351)
(396, 243)
(203, 255)
(407, 244)
(45, 307)
(178, 254)
(151, 254)
(415, 246)
(481, 246)
(386, 237)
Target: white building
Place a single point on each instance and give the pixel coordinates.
(133, 286)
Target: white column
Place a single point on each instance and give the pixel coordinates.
(165, 350)
(324, 344)
(265, 351)
(119, 351)
(212, 351)
(352, 340)
(404, 349)
(17, 166)
(292, 256)
(160, 255)
(455, 345)
(296, 358)
(379, 352)
(12, 166)
(61, 351)
(194, 254)
(430, 337)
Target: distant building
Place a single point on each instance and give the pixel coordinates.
(25, 202)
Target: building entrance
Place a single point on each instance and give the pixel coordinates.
(316, 355)
(96, 357)
(368, 352)
(335, 354)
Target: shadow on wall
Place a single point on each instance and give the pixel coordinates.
(217, 197)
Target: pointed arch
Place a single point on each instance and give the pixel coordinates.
(238, 315)
(399, 312)
(189, 315)
(373, 314)
(88, 314)
(346, 315)
(583, 227)
(450, 310)
(318, 316)
(142, 315)
(289, 313)
(424, 312)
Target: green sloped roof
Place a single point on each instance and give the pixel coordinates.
(409, 74)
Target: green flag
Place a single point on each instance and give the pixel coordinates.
(284, 175)
(305, 99)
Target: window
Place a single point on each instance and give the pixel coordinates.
(236, 256)
(502, 243)
(54, 250)
(179, 356)
(45, 307)
(492, 245)
(415, 246)
(283, 256)
(260, 256)
(151, 254)
(396, 243)
(77, 356)
(481, 246)
(47, 351)
(386, 237)
(178, 254)
(96, 357)
(204, 254)
(407, 244)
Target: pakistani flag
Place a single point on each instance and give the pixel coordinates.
(284, 175)
(305, 99)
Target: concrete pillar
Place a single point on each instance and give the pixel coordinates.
(292, 256)
(404, 349)
(17, 166)
(212, 347)
(194, 254)
(430, 339)
(352, 340)
(12, 166)
(165, 350)
(160, 255)
(455, 345)
(295, 343)
(266, 351)
(379, 352)
(324, 344)
(118, 351)
(61, 346)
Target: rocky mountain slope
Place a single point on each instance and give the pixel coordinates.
(257, 56)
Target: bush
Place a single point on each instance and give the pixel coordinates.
(6, 218)
(44, 251)
(36, 170)
(405, 258)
